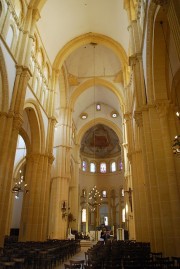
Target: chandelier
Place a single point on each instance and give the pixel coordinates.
(19, 186)
(94, 199)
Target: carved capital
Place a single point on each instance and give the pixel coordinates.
(127, 116)
(51, 159)
(53, 120)
(26, 73)
(19, 69)
(17, 122)
(134, 59)
(163, 108)
(138, 118)
(129, 156)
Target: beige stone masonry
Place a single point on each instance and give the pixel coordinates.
(8, 147)
(35, 210)
(60, 182)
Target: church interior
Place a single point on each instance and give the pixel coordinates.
(90, 121)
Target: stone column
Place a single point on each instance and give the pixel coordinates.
(12, 122)
(138, 78)
(160, 182)
(34, 220)
(74, 195)
(6, 167)
(139, 189)
(61, 177)
(170, 199)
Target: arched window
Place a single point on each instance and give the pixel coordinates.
(123, 215)
(113, 167)
(84, 215)
(84, 165)
(122, 192)
(104, 194)
(120, 165)
(92, 167)
(103, 167)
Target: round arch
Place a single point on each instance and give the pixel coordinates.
(92, 123)
(4, 90)
(97, 81)
(36, 126)
(26, 139)
(149, 50)
(90, 38)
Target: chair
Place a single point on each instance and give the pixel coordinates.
(67, 266)
(77, 264)
(176, 261)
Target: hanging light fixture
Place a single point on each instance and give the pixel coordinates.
(20, 185)
(176, 142)
(94, 199)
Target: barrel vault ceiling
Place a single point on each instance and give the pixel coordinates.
(64, 20)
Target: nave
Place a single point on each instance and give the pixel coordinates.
(69, 254)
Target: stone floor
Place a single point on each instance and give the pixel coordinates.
(78, 256)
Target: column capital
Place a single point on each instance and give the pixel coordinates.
(138, 118)
(17, 122)
(23, 70)
(128, 116)
(129, 156)
(53, 120)
(51, 158)
(134, 59)
(163, 107)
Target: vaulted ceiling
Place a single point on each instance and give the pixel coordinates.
(63, 21)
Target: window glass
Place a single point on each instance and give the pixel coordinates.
(106, 220)
(83, 215)
(104, 194)
(84, 166)
(122, 192)
(113, 166)
(123, 215)
(103, 167)
(98, 107)
(120, 165)
(92, 167)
